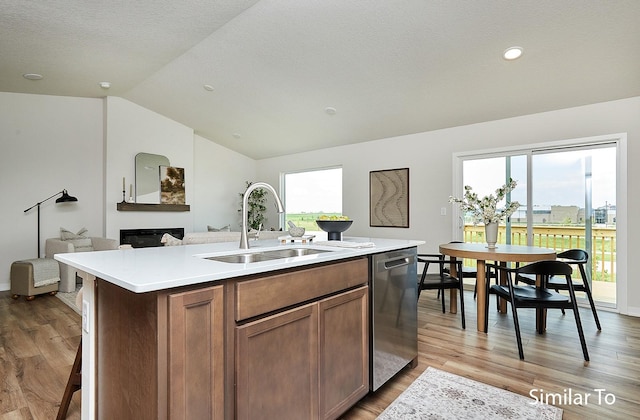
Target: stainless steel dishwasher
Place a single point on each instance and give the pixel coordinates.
(394, 313)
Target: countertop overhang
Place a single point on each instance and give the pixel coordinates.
(143, 270)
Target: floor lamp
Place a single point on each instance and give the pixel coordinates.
(64, 199)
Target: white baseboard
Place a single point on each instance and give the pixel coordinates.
(633, 311)
(5, 286)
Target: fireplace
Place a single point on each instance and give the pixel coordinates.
(143, 238)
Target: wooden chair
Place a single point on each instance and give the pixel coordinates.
(73, 384)
(538, 296)
(441, 280)
(75, 377)
(574, 257)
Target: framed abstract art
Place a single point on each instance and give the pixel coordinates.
(389, 198)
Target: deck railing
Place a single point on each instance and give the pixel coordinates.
(561, 238)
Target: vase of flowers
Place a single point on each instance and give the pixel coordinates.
(486, 209)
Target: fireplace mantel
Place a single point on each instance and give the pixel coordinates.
(122, 206)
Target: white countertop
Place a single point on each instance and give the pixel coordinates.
(150, 269)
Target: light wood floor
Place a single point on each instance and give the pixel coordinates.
(38, 341)
(553, 361)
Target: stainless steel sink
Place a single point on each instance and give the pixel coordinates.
(260, 256)
(293, 252)
(241, 258)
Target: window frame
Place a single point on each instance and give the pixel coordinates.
(620, 141)
(283, 187)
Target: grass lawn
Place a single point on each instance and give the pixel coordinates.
(306, 220)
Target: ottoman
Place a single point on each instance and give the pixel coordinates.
(34, 277)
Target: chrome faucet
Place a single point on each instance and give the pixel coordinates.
(244, 242)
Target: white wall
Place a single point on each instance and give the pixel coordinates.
(429, 159)
(48, 143)
(131, 129)
(221, 175)
(214, 175)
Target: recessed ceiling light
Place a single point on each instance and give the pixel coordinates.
(330, 110)
(32, 76)
(208, 87)
(512, 53)
(104, 85)
(236, 135)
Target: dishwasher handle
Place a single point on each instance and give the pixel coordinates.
(392, 263)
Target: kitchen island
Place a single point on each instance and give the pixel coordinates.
(171, 333)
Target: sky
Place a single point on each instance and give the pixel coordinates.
(558, 178)
(315, 191)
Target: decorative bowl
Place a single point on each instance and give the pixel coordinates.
(296, 232)
(334, 228)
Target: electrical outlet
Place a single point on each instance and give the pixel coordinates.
(85, 316)
(443, 211)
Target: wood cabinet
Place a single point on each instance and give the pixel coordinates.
(276, 366)
(160, 355)
(195, 359)
(311, 361)
(344, 351)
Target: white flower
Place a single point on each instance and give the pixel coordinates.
(485, 210)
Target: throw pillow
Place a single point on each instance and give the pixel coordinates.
(81, 244)
(65, 234)
(222, 229)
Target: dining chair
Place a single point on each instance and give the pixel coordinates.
(441, 280)
(538, 296)
(574, 257)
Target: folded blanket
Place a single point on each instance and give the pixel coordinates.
(45, 271)
(169, 240)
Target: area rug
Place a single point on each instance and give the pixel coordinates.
(69, 299)
(442, 395)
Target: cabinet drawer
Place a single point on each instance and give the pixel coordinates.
(265, 294)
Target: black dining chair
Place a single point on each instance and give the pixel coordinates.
(538, 296)
(441, 280)
(573, 257)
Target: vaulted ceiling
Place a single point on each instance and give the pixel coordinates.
(265, 77)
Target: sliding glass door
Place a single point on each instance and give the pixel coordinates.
(485, 175)
(574, 195)
(567, 199)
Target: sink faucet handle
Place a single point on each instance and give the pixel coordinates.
(258, 232)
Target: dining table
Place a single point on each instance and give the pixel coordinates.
(501, 254)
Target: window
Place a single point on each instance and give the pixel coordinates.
(310, 194)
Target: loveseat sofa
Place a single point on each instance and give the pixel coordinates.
(58, 246)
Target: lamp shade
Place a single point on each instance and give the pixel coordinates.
(65, 197)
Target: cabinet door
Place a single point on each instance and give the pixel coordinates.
(196, 354)
(344, 351)
(277, 365)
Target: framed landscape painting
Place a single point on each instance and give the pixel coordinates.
(172, 185)
(389, 198)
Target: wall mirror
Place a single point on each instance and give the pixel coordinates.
(148, 177)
